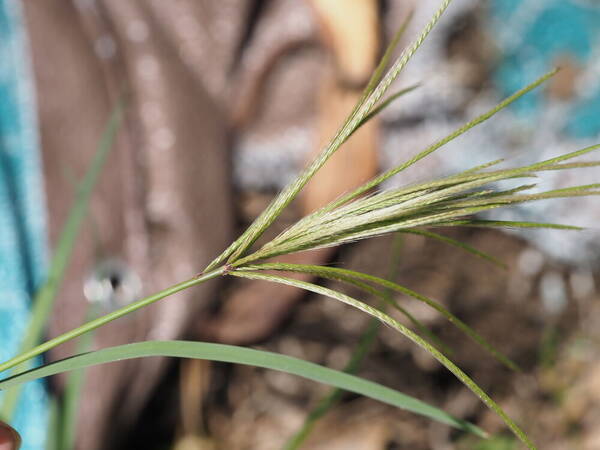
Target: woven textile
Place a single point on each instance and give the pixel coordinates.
(22, 214)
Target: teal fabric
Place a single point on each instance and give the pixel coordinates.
(532, 35)
(22, 214)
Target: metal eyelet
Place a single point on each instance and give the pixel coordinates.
(112, 285)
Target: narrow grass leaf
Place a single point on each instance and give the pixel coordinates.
(241, 355)
(466, 247)
(53, 430)
(113, 315)
(73, 388)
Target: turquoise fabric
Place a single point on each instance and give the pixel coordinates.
(22, 214)
(532, 35)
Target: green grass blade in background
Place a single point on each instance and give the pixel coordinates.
(335, 395)
(458, 244)
(409, 334)
(52, 440)
(44, 298)
(241, 355)
(70, 402)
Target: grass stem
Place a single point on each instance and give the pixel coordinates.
(96, 323)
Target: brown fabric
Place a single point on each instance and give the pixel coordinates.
(254, 308)
(163, 204)
(164, 201)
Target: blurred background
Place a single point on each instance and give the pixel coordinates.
(226, 101)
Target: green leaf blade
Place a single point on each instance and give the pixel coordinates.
(241, 355)
(466, 247)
